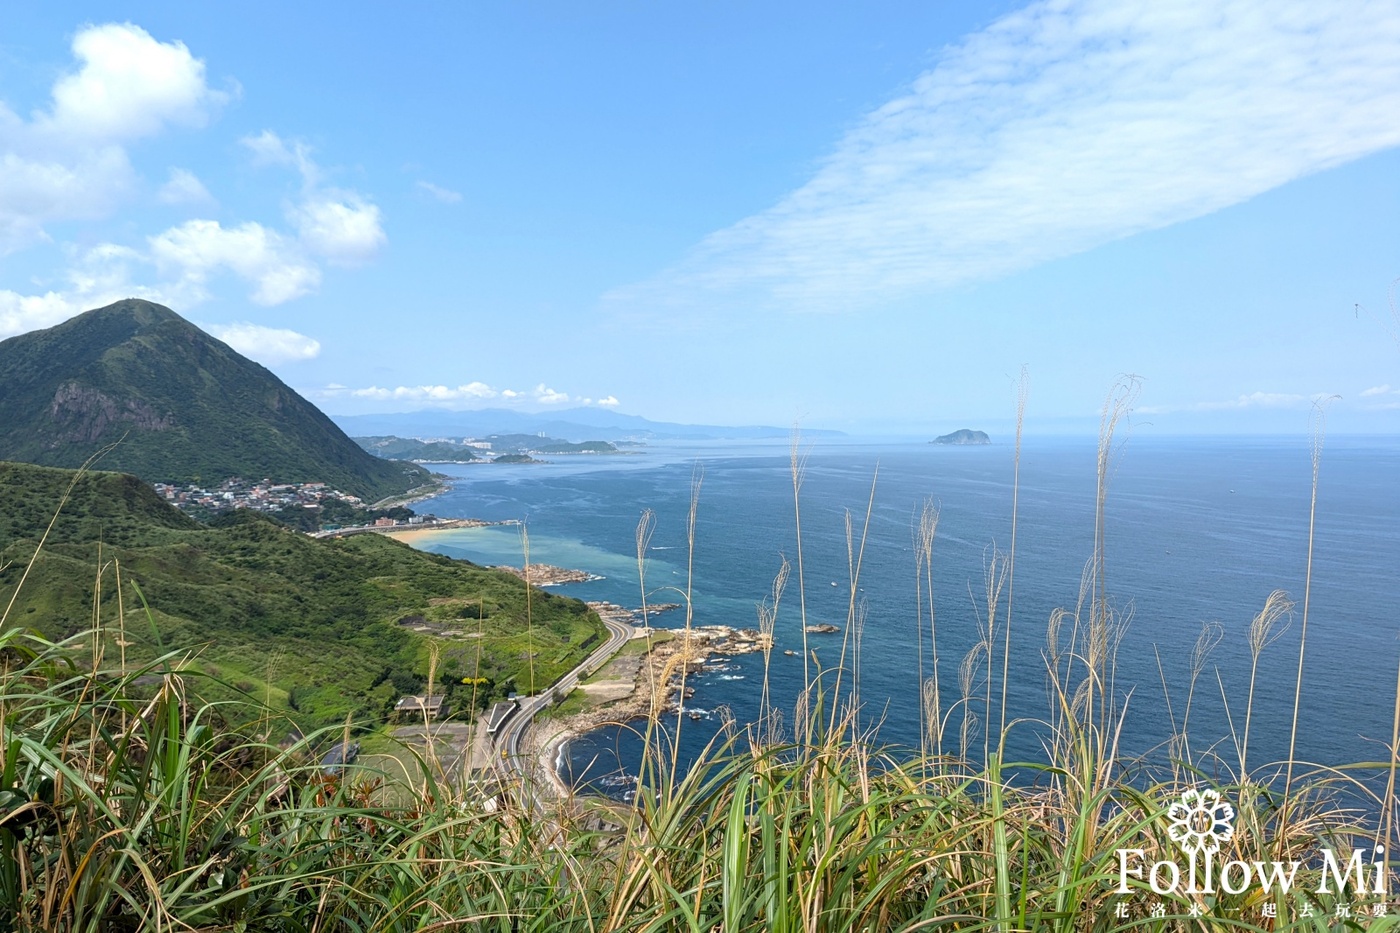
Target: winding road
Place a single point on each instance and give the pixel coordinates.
(511, 732)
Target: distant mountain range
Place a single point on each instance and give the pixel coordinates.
(577, 424)
(179, 405)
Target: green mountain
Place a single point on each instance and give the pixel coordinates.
(410, 448)
(324, 627)
(185, 407)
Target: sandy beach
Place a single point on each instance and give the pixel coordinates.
(416, 535)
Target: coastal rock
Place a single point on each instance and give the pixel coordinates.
(550, 575)
(657, 676)
(824, 628)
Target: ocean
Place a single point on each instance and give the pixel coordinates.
(1197, 530)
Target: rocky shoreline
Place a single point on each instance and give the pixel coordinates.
(643, 685)
(549, 575)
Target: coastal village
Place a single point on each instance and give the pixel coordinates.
(263, 496)
(273, 498)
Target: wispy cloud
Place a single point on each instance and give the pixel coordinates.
(1376, 390)
(468, 395)
(267, 148)
(1060, 127)
(1252, 400)
(268, 345)
(445, 195)
(184, 187)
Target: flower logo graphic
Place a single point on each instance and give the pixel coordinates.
(1200, 821)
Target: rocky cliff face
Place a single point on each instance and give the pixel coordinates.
(84, 415)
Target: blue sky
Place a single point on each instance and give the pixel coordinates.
(862, 217)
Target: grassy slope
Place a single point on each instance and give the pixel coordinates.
(269, 609)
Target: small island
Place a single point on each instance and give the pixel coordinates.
(963, 437)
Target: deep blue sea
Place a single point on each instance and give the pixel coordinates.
(1197, 530)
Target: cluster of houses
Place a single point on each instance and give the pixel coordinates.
(264, 496)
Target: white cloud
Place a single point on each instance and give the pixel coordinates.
(69, 162)
(183, 187)
(269, 345)
(129, 86)
(472, 391)
(342, 227)
(187, 258)
(345, 229)
(66, 186)
(1060, 127)
(445, 195)
(198, 248)
(1376, 390)
(463, 396)
(547, 396)
(96, 278)
(21, 313)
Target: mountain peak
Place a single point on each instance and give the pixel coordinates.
(139, 310)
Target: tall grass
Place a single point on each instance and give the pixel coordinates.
(128, 804)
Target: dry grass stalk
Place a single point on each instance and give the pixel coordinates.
(1267, 627)
(1022, 390)
(930, 707)
(1207, 641)
(1318, 424)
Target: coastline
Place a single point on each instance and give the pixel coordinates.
(414, 536)
(439, 485)
(411, 534)
(635, 685)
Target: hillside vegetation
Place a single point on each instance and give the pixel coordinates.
(326, 628)
(409, 448)
(126, 804)
(185, 408)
